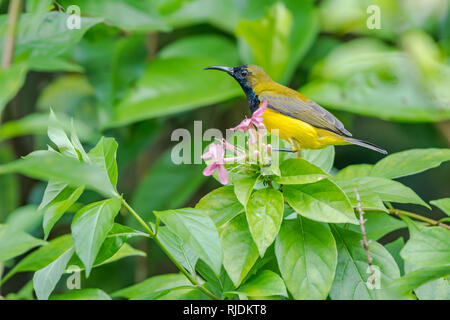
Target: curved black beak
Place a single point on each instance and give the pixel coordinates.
(225, 69)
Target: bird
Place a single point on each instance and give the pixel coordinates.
(299, 120)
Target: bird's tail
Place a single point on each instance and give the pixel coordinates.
(365, 144)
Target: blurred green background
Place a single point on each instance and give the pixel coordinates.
(133, 71)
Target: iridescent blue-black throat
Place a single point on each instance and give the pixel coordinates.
(252, 98)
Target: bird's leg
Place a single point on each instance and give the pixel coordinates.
(268, 164)
(296, 147)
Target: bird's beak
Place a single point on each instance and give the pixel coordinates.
(225, 69)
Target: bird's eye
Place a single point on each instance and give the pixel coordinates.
(244, 73)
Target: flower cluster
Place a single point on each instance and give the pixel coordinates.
(255, 148)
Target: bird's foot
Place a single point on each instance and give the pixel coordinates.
(267, 164)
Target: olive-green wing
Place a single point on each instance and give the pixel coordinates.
(306, 111)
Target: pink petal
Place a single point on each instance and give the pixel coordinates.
(223, 174)
(209, 170)
(207, 155)
(243, 126)
(210, 152)
(260, 111)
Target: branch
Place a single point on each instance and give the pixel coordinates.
(432, 222)
(10, 38)
(365, 243)
(166, 251)
(415, 216)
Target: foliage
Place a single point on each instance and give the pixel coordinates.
(300, 223)
(107, 97)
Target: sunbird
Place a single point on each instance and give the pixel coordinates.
(300, 121)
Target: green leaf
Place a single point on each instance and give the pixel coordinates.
(52, 64)
(428, 248)
(394, 249)
(14, 242)
(59, 137)
(409, 162)
(43, 256)
(239, 251)
(104, 156)
(387, 190)
(110, 251)
(438, 289)
(197, 231)
(37, 123)
(417, 279)
(323, 158)
(81, 154)
(25, 218)
(280, 38)
(11, 79)
(90, 226)
(180, 293)
(299, 171)
(51, 30)
(369, 198)
(153, 287)
(354, 171)
(264, 283)
(352, 272)
(82, 294)
(217, 284)
(54, 211)
(181, 252)
(119, 230)
(52, 191)
(321, 201)
(45, 279)
(443, 204)
(113, 248)
(307, 258)
(221, 205)
(165, 89)
(243, 187)
(222, 14)
(269, 39)
(49, 165)
(378, 224)
(368, 77)
(129, 15)
(264, 215)
(38, 6)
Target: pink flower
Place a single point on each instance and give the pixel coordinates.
(256, 119)
(216, 153)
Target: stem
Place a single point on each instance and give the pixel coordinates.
(10, 38)
(138, 217)
(166, 251)
(432, 222)
(415, 216)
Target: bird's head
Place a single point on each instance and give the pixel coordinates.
(248, 76)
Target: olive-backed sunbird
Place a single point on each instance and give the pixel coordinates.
(300, 121)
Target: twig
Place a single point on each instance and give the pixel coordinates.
(432, 222)
(415, 216)
(10, 38)
(365, 243)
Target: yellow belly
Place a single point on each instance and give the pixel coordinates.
(298, 132)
